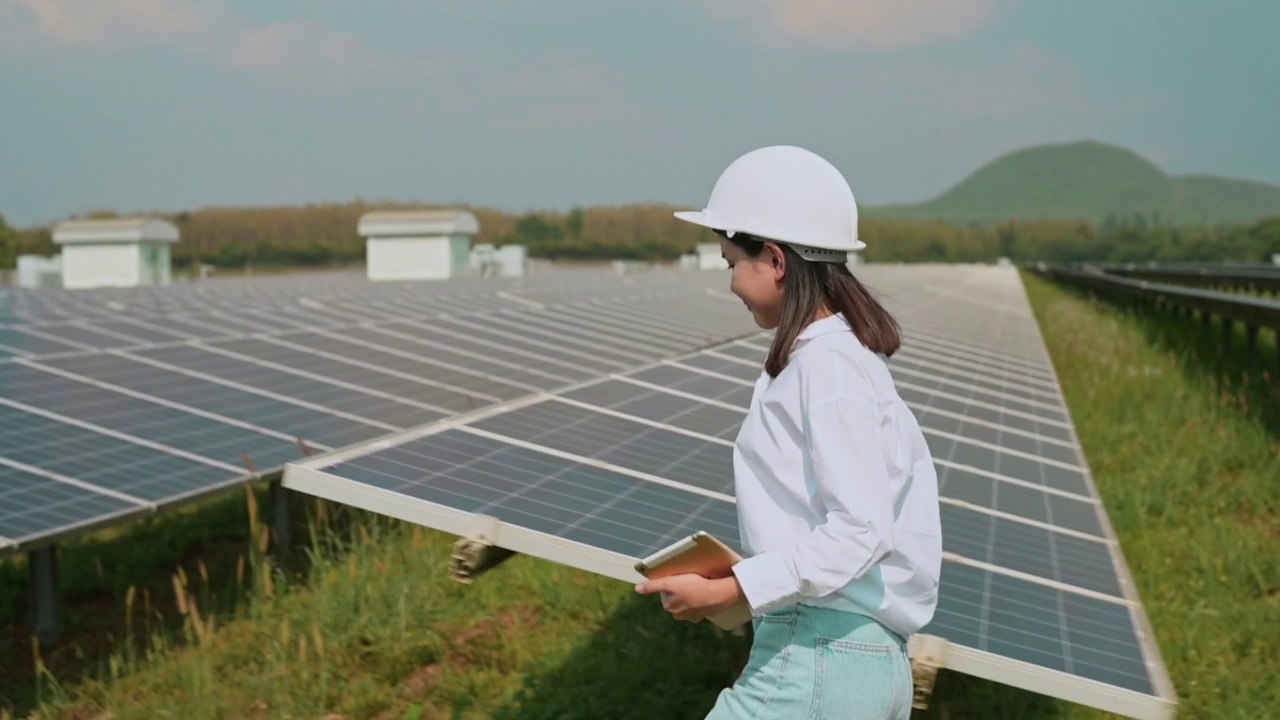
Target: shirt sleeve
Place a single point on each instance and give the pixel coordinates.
(852, 483)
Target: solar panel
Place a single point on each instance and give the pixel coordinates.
(1034, 589)
(31, 506)
(119, 402)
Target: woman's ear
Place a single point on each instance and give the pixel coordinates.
(777, 261)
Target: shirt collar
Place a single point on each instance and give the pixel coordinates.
(825, 326)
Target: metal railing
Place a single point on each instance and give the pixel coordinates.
(1252, 312)
(1240, 278)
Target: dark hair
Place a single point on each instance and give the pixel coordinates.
(811, 285)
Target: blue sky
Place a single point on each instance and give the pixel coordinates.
(138, 105)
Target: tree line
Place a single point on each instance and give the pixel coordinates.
(325, 235)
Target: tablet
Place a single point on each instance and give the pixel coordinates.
(702, 554)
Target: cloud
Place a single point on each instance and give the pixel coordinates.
(296, 43)
(305, 51)
(560, 90)
(299, 51)
(555, 75)
(871, 24)
(549, 91)
(103, 24)
(1025, 81)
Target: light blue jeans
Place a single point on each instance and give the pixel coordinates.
(817, 664)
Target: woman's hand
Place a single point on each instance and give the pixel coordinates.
(692, 597)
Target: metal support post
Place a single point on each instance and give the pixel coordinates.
(1251, 345)
(1228, 329)
(42, 566)
(928, 653)
(280, 521)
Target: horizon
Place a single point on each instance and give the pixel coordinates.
(386, 202)
(160, 106)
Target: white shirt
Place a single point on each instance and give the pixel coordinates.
(837, 493)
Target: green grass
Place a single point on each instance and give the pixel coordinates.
(367, 624)
(376, 629)
(98, 572)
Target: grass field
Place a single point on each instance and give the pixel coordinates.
(361, 621)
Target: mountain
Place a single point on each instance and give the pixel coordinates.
(1089, 181)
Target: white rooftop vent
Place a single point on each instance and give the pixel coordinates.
(386, 223)
(115, 230)
(417, 244)
(119, 252)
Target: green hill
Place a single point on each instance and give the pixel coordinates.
(1091, 181)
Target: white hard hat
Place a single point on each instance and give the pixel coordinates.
(786, 194)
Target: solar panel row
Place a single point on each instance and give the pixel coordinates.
(162, 398)
(599, 474)
(349, 291)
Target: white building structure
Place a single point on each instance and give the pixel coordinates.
(709, 257)
(417, 244)
(120, 252)
(38, 271)
(513, 261)
(502, 261)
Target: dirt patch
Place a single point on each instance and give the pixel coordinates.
(479, 644)
(1262, 521)
(417, 685)
(259, 708)
(86, 712)
(429, 712)
(475, 645)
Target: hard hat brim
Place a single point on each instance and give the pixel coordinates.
(697, 217)
(703, 218)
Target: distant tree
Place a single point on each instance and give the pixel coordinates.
(535, 229)
(36, 241)
(1267, 234)
(325, 234)
(573, 223)
(8, 245)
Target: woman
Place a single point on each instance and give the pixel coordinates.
(836, 490)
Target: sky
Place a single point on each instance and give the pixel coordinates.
(164, 105)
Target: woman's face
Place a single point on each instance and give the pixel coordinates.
(757, 281)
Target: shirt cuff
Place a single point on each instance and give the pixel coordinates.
(766, 582)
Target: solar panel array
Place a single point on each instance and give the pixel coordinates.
(1034, 591)
(116, 403)
(582, 410)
